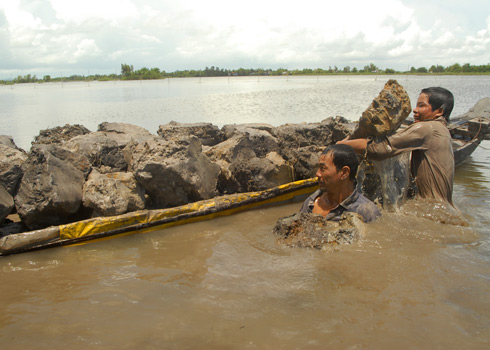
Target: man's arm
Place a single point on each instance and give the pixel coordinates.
(359, 145)
(412, 138)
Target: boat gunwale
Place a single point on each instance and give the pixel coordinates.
(250, 200)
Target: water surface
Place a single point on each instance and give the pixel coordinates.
(28, 108)
(410, 282)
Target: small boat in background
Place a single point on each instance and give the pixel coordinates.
(469, 130)
(467, 136)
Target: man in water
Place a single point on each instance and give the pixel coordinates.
(428, 139)
(337, 194)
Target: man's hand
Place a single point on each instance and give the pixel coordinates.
(359, 145)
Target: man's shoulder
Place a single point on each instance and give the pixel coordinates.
(420, 128)
(364, 201)
(365, 207)
(309, 202)
(427, 126)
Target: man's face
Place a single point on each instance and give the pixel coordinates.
(328, 176)
(423, 111)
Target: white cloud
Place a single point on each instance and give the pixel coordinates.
(18, 18)
(87, 47)
(49, 34)
(305, 33)
(80, 11)
(445, 39)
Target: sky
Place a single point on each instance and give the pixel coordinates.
(66, 37)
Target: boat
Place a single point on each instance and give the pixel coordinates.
(467, 134)
(150, 220)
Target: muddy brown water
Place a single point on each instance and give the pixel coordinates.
(410, 282)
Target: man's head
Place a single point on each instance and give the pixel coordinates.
(337, 166)
(434, 102)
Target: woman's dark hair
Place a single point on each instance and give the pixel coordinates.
(343, 155)
(440, 98)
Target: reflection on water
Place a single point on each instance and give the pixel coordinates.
(409, 282)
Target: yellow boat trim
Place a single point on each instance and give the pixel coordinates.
(229, 203)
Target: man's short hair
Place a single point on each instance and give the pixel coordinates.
(440, 97)
(343, 155)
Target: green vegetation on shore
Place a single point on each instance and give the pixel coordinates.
(129, 73)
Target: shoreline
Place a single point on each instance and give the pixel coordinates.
(6, 82)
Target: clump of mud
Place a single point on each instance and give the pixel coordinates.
(307, 230)
(385, 114)
(387, 181)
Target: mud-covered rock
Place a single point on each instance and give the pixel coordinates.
(102, 152)
(50, 191)
(207, 133)
(174, 172)
(256, 174)
(301, 144)
(113, 193)
(329, 131)
(245, 142)
(306, 230)
(229, 130)
(60, 134)
(8, 141)
(305, 161)
(249, 161)
(124, 133)
(11, 160)
(385, 114)
(6, 204)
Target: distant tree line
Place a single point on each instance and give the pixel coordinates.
(129, 73)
